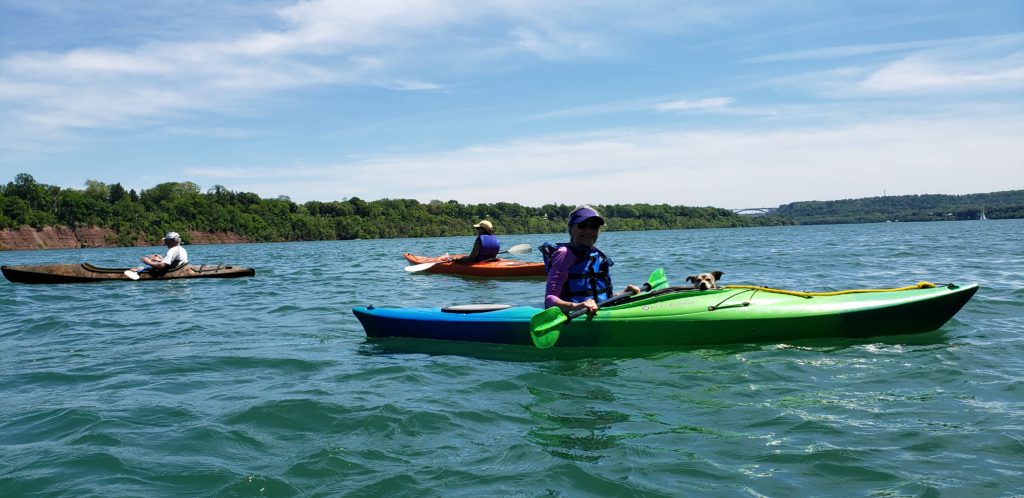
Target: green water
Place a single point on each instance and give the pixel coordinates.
(267, 386)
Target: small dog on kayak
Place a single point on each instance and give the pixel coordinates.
(705, 281)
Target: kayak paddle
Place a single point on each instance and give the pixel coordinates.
(545, 326)
(518, 250)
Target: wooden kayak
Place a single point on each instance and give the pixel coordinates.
(85, 272)
(491, 268)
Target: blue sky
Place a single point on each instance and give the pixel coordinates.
(702, 103)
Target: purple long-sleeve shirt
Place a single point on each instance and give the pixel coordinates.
(561, 261)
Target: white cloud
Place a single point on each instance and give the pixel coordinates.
(921, 74)
(717, 168)
(720, 105)
(557, 44)
(694, 105)
(89, 61)
(847, 51)
(435, 45)
(321, 42)
(972, 64)
(406, 43)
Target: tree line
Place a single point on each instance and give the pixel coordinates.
(183, 206)
(929, 207)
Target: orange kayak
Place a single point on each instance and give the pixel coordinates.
(496, 267)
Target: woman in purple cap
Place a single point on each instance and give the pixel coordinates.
(578, 272)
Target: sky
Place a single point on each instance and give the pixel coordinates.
(734, 104)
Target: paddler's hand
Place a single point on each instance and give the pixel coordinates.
(632, 289)
(589, 304)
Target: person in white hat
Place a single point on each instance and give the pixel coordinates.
(176, 256)
(486, 245)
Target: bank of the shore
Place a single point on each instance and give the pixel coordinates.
(28, 238)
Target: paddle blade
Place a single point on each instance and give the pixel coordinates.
(544, 327)
(658, 280)
(419, 267)
(520, 249)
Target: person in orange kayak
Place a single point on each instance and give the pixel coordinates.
(486, 245)
(578, 272)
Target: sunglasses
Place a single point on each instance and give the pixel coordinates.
(590, 225)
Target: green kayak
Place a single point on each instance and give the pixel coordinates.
(678, 316)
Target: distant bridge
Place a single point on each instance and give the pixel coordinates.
(755, 211)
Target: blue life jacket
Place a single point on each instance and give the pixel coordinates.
(489, 247)
(589, 277)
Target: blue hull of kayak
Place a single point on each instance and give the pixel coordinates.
(507, 326)
(686, 317)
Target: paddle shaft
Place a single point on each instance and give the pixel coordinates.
(517, 250)
(618, 297)
(544, 326)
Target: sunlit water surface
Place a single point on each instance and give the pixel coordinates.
(267, 385)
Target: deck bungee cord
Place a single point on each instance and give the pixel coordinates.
(919, 285)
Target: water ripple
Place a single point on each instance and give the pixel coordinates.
(268, 386)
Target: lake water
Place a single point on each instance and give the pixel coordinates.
(267, 386)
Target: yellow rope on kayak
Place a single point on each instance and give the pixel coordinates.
(920, 285)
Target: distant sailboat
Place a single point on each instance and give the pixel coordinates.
(982, 217)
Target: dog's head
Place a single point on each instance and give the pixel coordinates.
(705, 281)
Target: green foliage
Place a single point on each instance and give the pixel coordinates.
(182, 207)
(25, 202)
(930, 207)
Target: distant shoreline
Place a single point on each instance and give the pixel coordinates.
(109, 216)
(48, 238)
(27, 238)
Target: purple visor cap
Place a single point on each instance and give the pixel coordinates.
(584, 214)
